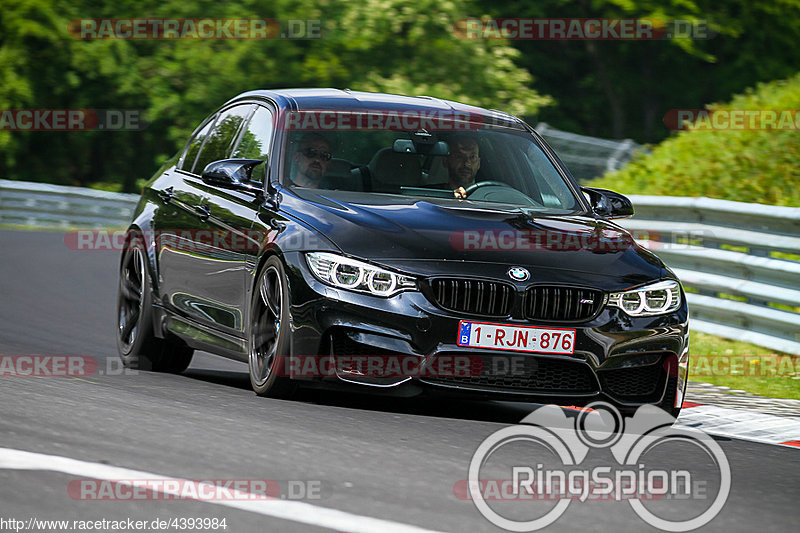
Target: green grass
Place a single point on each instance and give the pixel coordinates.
(785, 255)
(743, 366)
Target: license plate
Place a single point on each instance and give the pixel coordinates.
(516, 338)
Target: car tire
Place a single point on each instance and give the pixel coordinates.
(138, 346)
(268, 344)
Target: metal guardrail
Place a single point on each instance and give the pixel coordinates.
(588, 157)
(44, 205)
(739, 263)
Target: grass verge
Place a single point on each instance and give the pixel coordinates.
(743, 366)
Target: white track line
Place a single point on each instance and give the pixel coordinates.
(295, 511)
(741, 424)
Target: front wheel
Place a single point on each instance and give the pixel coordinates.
(138, 346)
(269, 332)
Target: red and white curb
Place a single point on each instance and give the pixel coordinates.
(741, 424)
(735, 423)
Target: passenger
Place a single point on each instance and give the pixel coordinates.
(310, 161)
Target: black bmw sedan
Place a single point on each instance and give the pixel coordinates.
(398, 245)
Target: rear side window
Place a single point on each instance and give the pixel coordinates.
(194, 146)
(219, 142)
(255, 141)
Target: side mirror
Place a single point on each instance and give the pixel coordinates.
(233, 174)
(609, 204)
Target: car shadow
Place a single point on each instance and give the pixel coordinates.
(427, 405)
(438, 406)
(239, 380)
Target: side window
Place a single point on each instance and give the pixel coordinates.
(218, 144)
(255, 141)
(554, 190)
(195, 145)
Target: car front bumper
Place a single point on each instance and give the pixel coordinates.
(626, 360)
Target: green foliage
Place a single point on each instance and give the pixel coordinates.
(623, 89)
(748, 165)
(604, 88)
(416, 51)
(399, 46)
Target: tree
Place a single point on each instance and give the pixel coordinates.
(382, 45)
(624, 88)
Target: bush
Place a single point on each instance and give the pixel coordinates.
(757, 166)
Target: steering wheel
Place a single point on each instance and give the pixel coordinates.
(477, 185)
(499, 191)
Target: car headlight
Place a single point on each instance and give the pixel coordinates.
(346, 273)
(656, 299)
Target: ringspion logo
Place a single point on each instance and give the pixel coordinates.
(637, 477)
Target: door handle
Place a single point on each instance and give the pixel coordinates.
(203, 211)
(167, 194)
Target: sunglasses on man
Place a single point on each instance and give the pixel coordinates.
(312, 153)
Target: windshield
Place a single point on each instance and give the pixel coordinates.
(496, 165)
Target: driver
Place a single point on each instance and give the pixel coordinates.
(462, 164)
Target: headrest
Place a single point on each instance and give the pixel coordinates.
(391, 168)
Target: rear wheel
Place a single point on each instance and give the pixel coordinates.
(138, 346)
(269, 333)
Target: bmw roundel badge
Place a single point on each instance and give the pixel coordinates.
(519, 273)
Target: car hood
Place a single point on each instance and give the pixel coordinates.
(440, 236)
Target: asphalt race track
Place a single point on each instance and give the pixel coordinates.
(368, 458)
